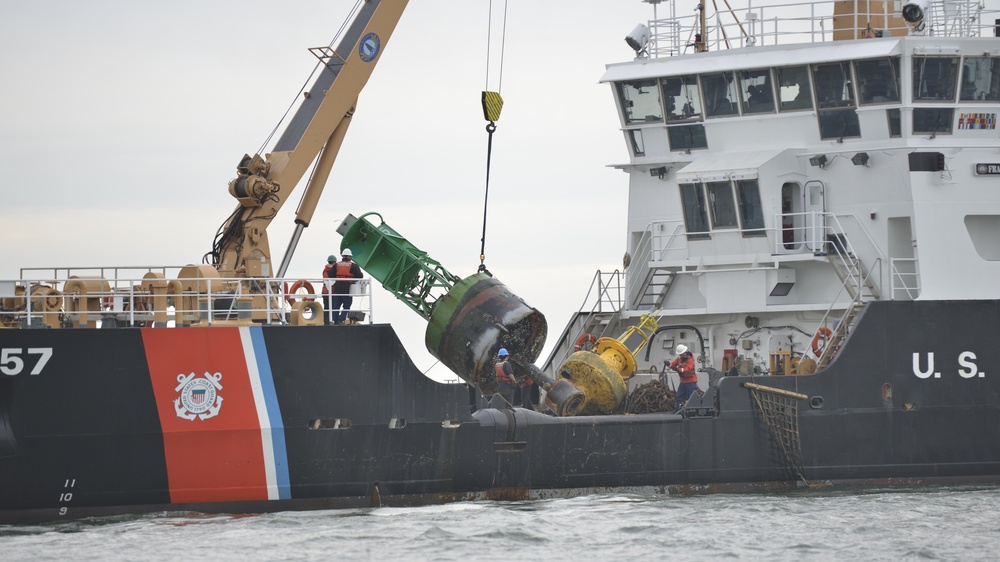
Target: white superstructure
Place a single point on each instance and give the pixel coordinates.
(776, 186)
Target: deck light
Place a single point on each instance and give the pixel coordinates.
(659, 172)
(818, 161)
(860, 159)
(914, 12)
(638, 39)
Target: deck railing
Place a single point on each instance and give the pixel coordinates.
(783, 23)
(102, 297)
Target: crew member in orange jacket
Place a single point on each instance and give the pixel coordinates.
(506, 386)
(526, 387)
(684, 365)
(345, 272)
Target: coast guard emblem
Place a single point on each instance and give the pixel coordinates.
(369, 46)
(199, 396)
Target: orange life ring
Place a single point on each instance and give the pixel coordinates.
(584, 340)
(295, 287)
(824, 333)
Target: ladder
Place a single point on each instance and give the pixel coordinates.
(654, 288)
(860, 286)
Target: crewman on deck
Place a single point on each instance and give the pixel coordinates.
(526, 387)
(684, 365)
(506, 386)
(328, 270)
(345, 272)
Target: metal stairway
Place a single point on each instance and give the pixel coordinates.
(837, 336)
(859, 285)
(851, 272)
(654, 288)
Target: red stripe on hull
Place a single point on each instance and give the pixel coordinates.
(218, 455)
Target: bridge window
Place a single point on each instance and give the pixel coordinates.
(695, 217)
(720, 94)
(833, 85)
(895, 128)
(980, 79)
(934, 78)
(681, 97)
(751, 213)
(640, 101)
(686, 137)
(793, 88)
(720, 201)
(878, 80)
(635, 138)
(757, 95)
(839, 123)
(835, 99)
(727, 207)
(932, 120)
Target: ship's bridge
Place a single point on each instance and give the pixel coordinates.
(773, 160)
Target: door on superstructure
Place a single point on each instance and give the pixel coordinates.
(815, 220)
(904, 281)
(791, 217)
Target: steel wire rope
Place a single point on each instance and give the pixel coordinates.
(349, 18)
(491, 127)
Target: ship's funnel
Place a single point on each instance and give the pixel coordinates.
(469, 319)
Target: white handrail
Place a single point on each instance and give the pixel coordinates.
(57, 300)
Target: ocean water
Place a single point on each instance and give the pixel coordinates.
(922, 524)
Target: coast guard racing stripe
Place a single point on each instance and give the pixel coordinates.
(222, 433)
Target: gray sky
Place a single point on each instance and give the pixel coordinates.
(123, 122)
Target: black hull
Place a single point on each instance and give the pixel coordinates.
(129, 420)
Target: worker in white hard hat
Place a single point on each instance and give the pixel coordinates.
(346, 272)
(684, 365)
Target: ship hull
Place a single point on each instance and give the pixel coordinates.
(253, 419)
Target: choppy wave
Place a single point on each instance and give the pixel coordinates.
(926, 524)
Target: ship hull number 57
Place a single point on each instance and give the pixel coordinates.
(923, 366)
(18, 360)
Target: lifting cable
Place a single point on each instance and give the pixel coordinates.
(492, 104)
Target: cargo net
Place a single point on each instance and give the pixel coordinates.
(780, 411)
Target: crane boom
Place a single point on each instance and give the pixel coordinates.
(263, 184)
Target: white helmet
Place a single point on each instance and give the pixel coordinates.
(346, 253)
(681, 348)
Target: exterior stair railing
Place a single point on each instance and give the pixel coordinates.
(604, 300)
(905, 278)
(861, 281)
(841, 328)
(858, 284)
(647, 281)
